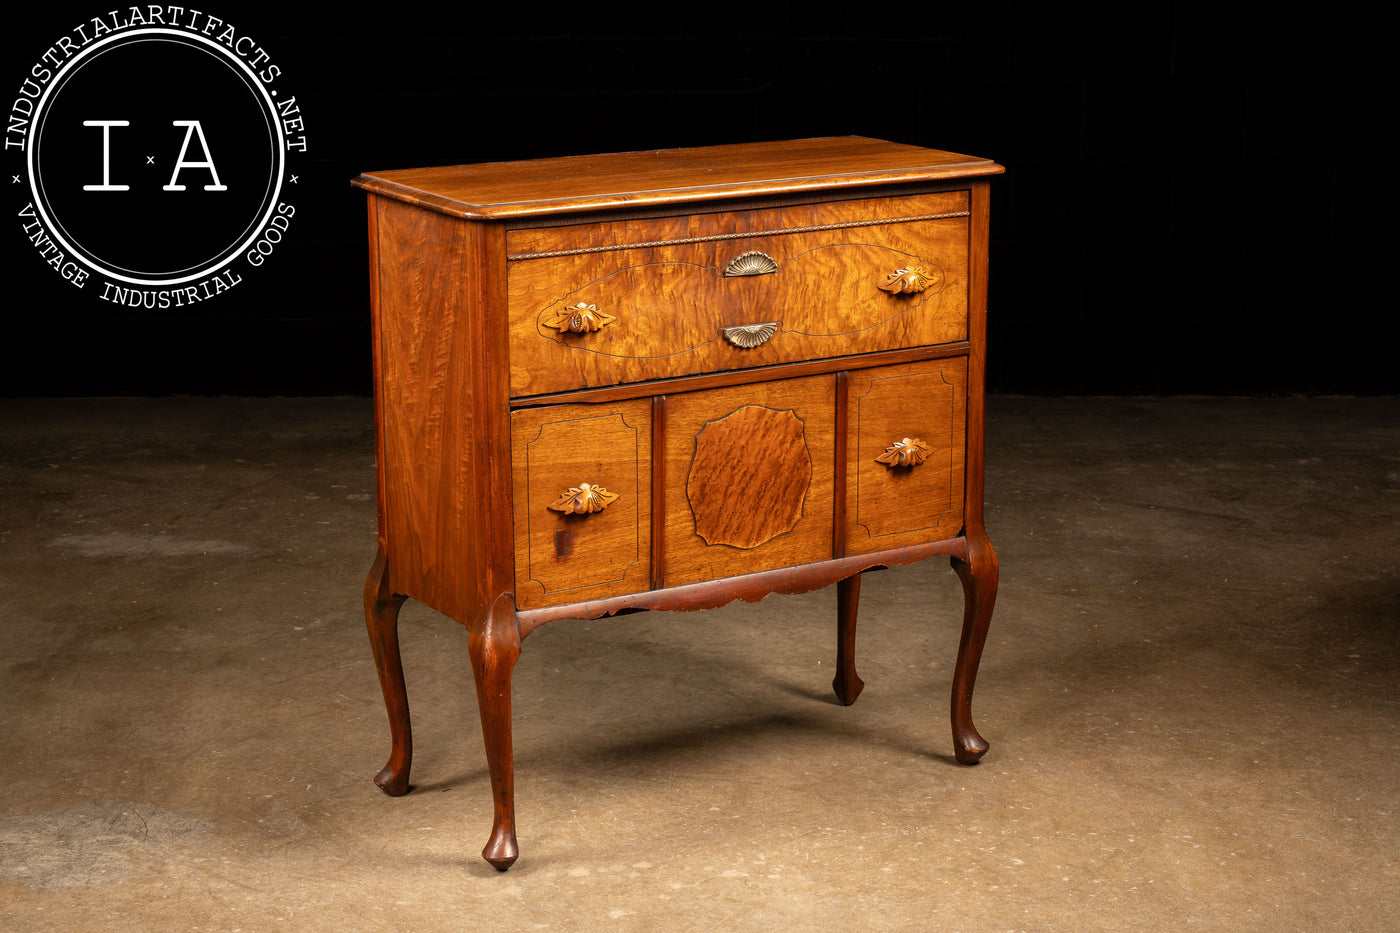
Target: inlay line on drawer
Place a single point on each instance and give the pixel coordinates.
(809, 228)
(727, 222)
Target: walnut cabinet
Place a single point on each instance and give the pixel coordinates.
(669, 380)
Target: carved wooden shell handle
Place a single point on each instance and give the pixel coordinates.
(582, 318)
(907, 281)
(909, 452)
(583, 499)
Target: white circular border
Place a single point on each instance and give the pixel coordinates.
(79, 254)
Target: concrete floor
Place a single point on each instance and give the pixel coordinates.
(1190, 692)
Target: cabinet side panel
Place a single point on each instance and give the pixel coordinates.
(442, 445)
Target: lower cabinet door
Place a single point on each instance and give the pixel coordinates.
(581, 483)
(747, 480)
(748, 483)
(906, 453)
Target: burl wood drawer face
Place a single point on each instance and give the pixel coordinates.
(749, 478)
(591, 310)
(582, 490)
(906, 454)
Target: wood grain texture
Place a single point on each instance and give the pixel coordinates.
(660, 478)
(570, 558)
(688, 558)
(673, 301)
(749, 477)
(444, 427)
(840, 501)
(503, 190)
(889, 506)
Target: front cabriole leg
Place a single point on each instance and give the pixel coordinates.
(382, 619)
(494, 646)
(979, 579)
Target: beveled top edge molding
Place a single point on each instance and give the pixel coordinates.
(572, 184)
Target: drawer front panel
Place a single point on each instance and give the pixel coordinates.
(581, 481)
(906, 454)
(831, 280)
(749, 478)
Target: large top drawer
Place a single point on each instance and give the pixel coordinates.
(632, 300)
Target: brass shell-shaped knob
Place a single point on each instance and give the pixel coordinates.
(582, 318)
(583, 499)
(909, 452)
(907, 281)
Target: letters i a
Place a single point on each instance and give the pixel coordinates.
(192, 129)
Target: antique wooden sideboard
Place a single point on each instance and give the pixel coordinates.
(669, 380)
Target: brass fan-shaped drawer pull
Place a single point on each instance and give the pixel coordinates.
(909, 452)
(908, 281)
(751, 263)
(583, 499)
(747, 336)
(582, 318)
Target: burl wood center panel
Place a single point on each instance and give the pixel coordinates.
(749, 478)
(658, 308)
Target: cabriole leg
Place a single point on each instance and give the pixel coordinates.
(494, 647)
(847, 682)
(382, 620)
(979, 579)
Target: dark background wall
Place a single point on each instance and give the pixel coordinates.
(1197, 200)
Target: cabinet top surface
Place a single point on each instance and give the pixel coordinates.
(658, 177)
